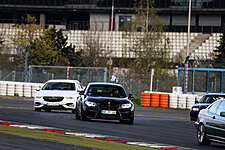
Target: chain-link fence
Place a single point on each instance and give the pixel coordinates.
(41, 74)
(136, 85)
(207, 80)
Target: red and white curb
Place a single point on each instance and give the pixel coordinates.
(94, 136)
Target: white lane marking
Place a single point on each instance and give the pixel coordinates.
(36, 127)
(85, 135)
(20, 126)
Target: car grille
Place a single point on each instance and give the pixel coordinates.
(106, 106)
(53, 99)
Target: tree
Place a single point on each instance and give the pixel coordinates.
(27, 33)
(52, 48)
(95, 53)
(68, 53)
(151, 47)
(219, 53)
(42, 51)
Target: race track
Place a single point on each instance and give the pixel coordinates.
(151, 125)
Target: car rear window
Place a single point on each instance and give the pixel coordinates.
(59, 86)
(106, 91)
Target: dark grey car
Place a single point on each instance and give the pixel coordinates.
(210, 124)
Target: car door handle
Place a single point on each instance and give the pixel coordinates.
(213, 117)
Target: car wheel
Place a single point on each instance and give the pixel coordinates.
(48, 110)
(131, 121)
(37, 109)
(77, 116)
(83, 117)
(202, 139)
(73, 111)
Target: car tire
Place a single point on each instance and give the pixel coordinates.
(201, 135)
(37, 109)
(73, 111)
(83, 117)
(77, 116)
(193, 119)
(48, 110)
(131, 121)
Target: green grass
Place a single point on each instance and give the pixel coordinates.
(68, 139)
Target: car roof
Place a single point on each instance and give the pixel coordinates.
(104, 83)
(216, 94)
(216, 101)
(63, 80)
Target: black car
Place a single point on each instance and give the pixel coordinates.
(210, 124)
(105, 101)
(204, 102)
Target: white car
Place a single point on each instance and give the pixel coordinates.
(58, 95)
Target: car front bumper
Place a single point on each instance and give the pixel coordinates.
(194, 115)
(62, 105)
(121, 114)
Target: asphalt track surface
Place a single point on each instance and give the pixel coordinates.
(151, 125)
(13, 142)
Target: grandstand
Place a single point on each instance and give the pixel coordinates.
(81, 17)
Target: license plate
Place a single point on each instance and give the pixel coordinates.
(52, 104)
(109, 112)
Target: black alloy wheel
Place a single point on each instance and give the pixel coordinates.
(48, 110)
(202, 139)
(77, 116)
(37, 109)
(83, 117)
(131, 121)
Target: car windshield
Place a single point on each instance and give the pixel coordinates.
(59, 86)
(106, 91)
(211, 98)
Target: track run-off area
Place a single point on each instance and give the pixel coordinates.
(165, 126)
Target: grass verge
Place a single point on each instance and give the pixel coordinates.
(68, 139)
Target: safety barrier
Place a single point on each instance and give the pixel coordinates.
(155, 99)
(145, 99)
(25, 89)
(3, 89)
(173, 100)
(181, 101)
(164, 100)
(191, 100)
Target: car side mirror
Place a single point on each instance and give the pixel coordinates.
(131, 96)
(196, 102)
(222, 114)
(38, 89)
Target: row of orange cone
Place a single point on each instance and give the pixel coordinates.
(155, 99)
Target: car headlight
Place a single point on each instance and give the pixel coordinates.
(124, 106)
(90, 104)
(195, 109)
(69, 97)
(38, 96)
